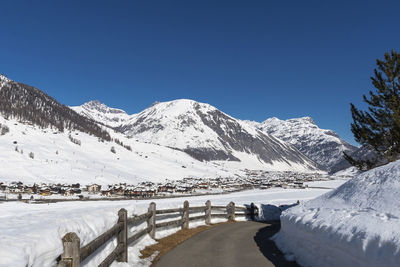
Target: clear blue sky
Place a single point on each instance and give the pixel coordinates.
(251, 59)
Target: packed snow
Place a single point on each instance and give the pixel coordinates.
(355, 225)
(349, 172)
(330, 184)
(31, 233)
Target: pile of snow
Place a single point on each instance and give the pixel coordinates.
(270, 212)
(31, 233)
(355, 225)
(349, 172)
(273, 210)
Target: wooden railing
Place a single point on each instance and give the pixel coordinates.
(73, 254)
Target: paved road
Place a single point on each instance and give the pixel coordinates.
(235, 244)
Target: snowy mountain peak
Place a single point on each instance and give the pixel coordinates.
(272, 119)
(208, 134)
(303, 120)
(3, 80)
(101, 113)
(322, 146)
(180, 105)
(97, 105)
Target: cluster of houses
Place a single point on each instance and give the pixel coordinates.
(253, 179)
(285, 179)
(41, 189)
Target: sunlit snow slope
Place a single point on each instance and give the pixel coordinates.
(322, 146)
(99, 112)
(208, 134)
(57, 159)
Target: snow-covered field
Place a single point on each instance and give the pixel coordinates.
(58, 160)
(327, 184)
(30, 234)
(355, 225)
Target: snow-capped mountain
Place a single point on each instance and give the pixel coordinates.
(3, 80)
(33, 154)
(208, 134)
(101, 113)
(42, 140)
(322, 146)
(30, 105)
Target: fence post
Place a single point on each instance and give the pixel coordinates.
(230, 209)
(208, 212)
(71, 254)
(122, 237)
(151, 221)
(252, 211)
(185, 215)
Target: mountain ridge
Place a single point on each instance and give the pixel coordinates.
(198, 129)
(27, 103)
(207, 134)
(323, 146)
(101, 113)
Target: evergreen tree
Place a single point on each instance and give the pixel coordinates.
(379, 126)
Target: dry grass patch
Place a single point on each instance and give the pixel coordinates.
(167, 243)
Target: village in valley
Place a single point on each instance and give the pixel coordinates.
(169, 188)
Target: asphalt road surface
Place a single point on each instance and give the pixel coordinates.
(233, 244)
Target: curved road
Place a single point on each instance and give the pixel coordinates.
(233, 244)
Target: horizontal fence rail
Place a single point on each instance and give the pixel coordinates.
(139, 218)
(73, 254)
(198, 209)
(113, 256)
(195, 218)
(138, 235)
(169, 223)
(169, 211)
(87, 250)
(218, 207)
(219, 215)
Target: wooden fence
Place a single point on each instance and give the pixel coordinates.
(73, 254)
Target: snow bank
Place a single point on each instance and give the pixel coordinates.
(270, 212)
(355, 225)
